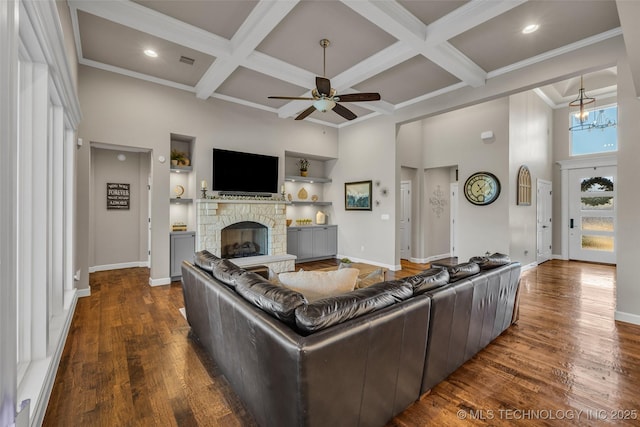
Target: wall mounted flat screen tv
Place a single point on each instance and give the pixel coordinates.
(238, 172)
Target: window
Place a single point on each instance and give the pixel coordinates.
(602, 137)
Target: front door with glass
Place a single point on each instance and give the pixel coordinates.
(592, 214)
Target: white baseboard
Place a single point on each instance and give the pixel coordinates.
(118, 266)
(627, 317)
(160, 282)
(528, 266)
(83, 292)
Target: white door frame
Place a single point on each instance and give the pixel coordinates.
(539, 209)
(453, 219)
(565, 166)
(407, 214)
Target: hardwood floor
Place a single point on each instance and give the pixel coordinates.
(129, 360)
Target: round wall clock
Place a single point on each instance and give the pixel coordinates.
(482, 188)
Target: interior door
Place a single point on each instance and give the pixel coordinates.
(543, 226)
(405, 219)
(592, 214)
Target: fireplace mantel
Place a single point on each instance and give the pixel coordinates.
(212, 215)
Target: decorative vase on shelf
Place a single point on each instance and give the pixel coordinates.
(303, 172)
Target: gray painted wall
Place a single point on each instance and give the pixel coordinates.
(119, 236)
(126, 111)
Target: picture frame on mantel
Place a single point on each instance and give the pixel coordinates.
(358, 195)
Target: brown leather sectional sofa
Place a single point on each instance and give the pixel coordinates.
(356, 359)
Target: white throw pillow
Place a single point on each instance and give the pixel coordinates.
(315, 285)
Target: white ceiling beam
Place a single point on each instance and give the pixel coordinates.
(279, 69)
(133, 15)
(260, 22)
(400, 23)
(466, 17)
(629, 13)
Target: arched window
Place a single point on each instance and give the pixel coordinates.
(524, 186)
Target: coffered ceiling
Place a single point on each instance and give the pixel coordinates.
(243, 51)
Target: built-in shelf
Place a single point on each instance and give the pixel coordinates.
(308, 179)
(302, 202)
(180, 201)
(179, 169)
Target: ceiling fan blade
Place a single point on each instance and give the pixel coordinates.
(291, 97)
(358, 97)
(306, 112)
(344, 112)
(323, 85)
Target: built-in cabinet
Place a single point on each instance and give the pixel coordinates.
(312, 242)
(182, 192)
(182, 248)
(182, 189)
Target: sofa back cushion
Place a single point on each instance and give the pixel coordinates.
(330, 311)
(205, 260)
(278, 301)
(428, 279)
(315, 285)
(460, 271)
(226, 272)
(491, 261)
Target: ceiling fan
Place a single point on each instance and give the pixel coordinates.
(325, 98)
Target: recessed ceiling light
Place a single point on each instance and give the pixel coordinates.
(531, 28)
(151, 53)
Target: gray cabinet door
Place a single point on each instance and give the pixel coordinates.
(182, 248)
(292, 241)
(305, 243)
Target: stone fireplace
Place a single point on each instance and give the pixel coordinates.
(250, 232)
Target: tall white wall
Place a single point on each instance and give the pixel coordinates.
(126, 111)
(367, 151)
(530, 144)
(454, 139)
(628, 250)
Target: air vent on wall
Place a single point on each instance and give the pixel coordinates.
(188, 61)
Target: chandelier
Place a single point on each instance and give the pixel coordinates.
(601, 121)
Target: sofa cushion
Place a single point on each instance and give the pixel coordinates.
(330, 311)
(205, 260)
(429, 279)
(491, 261)
(460, 271)
(319, 284)
(276, 300)
(226, 271)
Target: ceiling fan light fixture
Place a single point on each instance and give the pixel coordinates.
(324, 104)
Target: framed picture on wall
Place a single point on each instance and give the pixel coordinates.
(357, 196)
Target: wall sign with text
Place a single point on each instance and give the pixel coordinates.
(118, 196)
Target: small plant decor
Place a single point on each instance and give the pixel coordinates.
(178, 158)
(303, 164)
